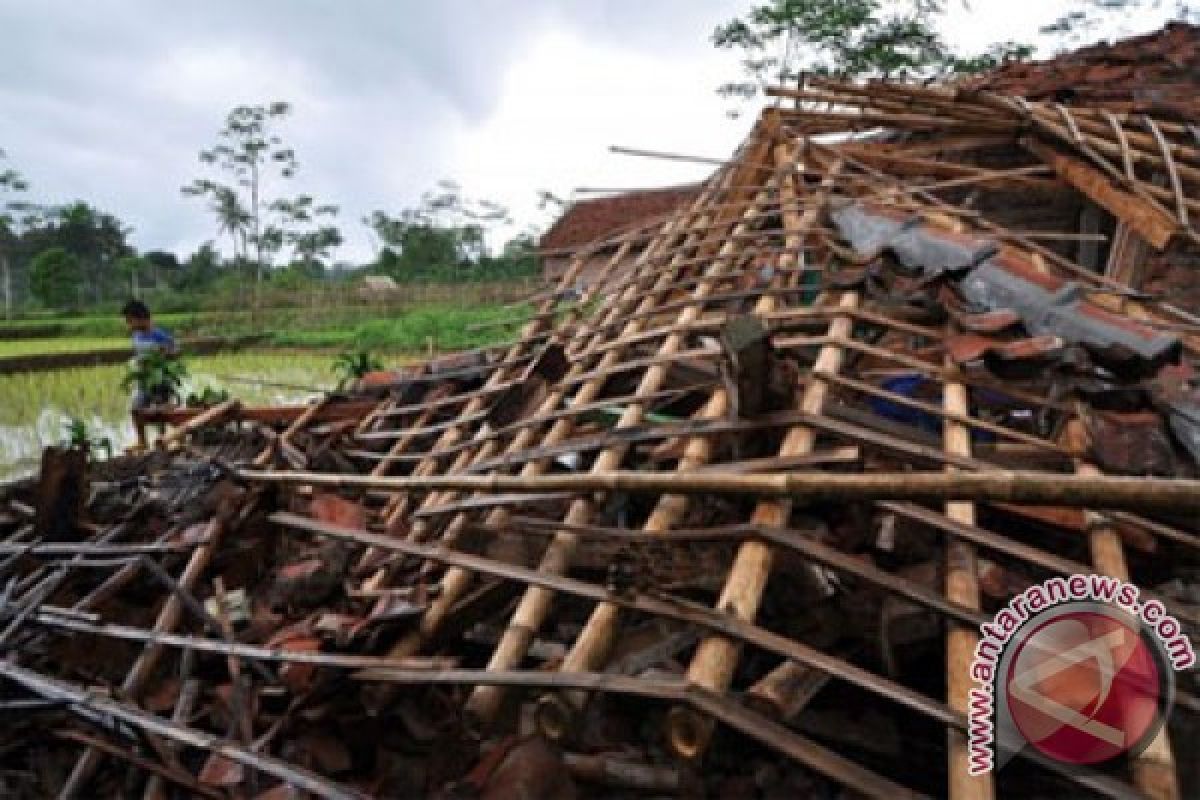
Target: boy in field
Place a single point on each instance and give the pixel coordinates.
(147, 338)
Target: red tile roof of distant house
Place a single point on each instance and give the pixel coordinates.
(599, 218)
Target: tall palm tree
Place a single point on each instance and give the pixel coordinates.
(232, 218)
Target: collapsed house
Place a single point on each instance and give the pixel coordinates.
(726, 525)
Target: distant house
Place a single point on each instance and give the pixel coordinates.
(378, 284)
(603, 218)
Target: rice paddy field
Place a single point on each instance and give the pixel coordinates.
(36, 406)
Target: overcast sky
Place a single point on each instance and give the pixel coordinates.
(109, 100)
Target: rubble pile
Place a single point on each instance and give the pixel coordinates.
(723, 521)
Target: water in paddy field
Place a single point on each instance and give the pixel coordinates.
(35, 407)
(21, 445)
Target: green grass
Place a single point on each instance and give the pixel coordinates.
(29, 347)
(447, 327)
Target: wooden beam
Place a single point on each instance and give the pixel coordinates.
(1154, 225)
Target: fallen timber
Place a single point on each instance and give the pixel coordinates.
(1021, 488)
(744, 495)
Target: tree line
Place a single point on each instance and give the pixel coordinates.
(75, 255)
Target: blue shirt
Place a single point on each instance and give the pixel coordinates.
(155, 339)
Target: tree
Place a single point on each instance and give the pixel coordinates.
(253, 155)
(782, 40)
(55, 277)
(12, 213)
(232, 218)
(315, 246)
(445, 235)
(131, 267)
(97, 239)
(200, 269)
(163, 267)
(412, 245)
(518, 257)
(1079, 24)
(310, 240)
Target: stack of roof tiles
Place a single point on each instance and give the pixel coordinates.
(1156, 74)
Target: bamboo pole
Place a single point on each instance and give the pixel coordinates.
(535, 603)
(207, 417)
(716, 658)
(1154, 769)
(962, 586)
(556, 714)
(786, 691)
(713, 663)
(989, 486)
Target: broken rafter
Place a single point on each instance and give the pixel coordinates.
(991, 486)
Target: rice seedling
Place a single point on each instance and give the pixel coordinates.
(354, 364)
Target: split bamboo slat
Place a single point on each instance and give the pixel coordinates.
(507, 372)
(460, 433)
